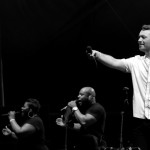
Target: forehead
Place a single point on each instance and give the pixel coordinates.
(83, 91)
(144, 33)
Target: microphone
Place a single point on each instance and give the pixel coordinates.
(125, 89)
(89, 50)
(63, 108)
(17, 112)
(67, 105)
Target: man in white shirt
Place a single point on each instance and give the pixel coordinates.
(139, 67)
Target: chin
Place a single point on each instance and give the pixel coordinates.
(142, 49)
(22, 113)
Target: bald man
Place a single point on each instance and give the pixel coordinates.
(88, 117)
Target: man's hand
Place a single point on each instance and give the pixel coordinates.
(72, 104)
(93, 54)
(11, 115)
(6, 131)
(59, 121)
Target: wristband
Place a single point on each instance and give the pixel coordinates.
(11, 120)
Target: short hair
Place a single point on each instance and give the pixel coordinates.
(90, 91)
(146, 27)
(34, 105)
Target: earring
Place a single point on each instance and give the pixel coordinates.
(30, 114)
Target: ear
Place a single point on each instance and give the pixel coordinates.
(90, 97)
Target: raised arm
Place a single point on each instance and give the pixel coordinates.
(23, 130)
(108, 60)
(83, 119)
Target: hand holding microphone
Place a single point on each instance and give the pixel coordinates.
(16, 112)
(72, 104)
(90, 51)
(11, 115)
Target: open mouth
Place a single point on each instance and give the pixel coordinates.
(141, 45)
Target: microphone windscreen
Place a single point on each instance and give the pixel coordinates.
(125, 88)
(89, 50)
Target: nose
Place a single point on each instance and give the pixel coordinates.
(140, 40)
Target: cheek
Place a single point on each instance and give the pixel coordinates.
(147, 43)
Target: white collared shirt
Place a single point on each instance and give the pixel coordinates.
(139, 67)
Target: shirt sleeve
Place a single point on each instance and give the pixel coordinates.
(128, 62)
(97, 111)
(34, 122)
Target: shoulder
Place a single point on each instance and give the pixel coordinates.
(97, 110)
(134, 58)
(130, 62)
(35, 121)
(97, 107)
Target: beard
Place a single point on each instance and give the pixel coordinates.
(83, 105)
(24, 115)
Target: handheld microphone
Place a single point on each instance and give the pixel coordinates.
(67, 105)
(17, 112)
(63, 108)
(89, 50)
(125, 88)
(89, 53)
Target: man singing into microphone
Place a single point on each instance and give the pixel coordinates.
(138, 66)
(87, 118)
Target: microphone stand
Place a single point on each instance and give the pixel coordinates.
(121, 129)
(122, 118)
(66, 137)
(66, 113)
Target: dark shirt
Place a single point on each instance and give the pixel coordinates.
(89, 137)
(36, 140)
(97, 128)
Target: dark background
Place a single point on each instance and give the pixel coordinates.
(43, 55)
